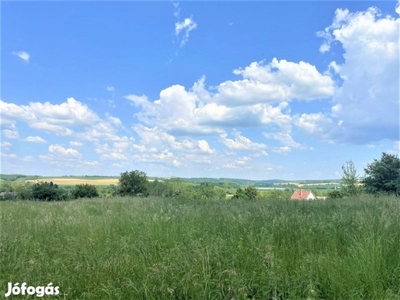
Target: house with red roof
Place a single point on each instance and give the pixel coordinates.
(303, 195)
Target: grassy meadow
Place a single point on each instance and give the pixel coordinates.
(154, 248)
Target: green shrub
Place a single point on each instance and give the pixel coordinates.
(85, 191)
(335, 194)
(47, 191)
(23, 191)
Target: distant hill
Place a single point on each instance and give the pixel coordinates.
(227, 182)
(257, 183)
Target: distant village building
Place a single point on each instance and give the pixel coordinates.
(303, 195)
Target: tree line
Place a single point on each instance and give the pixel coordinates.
(382, 176)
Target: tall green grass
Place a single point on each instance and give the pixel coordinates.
(130, 248)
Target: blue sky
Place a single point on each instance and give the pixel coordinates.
(257, 90)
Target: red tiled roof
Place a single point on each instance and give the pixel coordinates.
(300, 194)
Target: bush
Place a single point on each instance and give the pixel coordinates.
(335, 194)
(47, 191)
(23, 191)
(133, 183)
(7, 196)
(85, 191)
(158, 188)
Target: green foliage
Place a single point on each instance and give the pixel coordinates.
(383, 176)
(107, 191)
(133, 183)
(158, 188)
(207, 191)
(47, 191)
(275, 194)
(350, 180)
(154, 248)
(335, 194)
(85, 191)
(6, 186)
(7, 196)
(249, 193)
(23, 191)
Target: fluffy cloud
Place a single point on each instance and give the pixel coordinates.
(11, 133)
(35, 139)
(317, 124)
(283, 149)
(60, 156)
(54, 118)
(284, 138)
(12, 155)
(199, 112)
(118, 151)
(240, 142)
(205, 147)
(22, 55)
(366, 105)
(75, 144)
(238, 163)
(155, 139)
(60, 119)
(6, 145)
(63, 152)
(242, 103)
(280, 80)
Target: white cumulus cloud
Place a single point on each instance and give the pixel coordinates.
(64, 152)
(280, 80)
(366, 104)
(63, 119)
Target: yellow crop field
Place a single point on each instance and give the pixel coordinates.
(74, 181)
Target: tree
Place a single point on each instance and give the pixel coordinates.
(133, 183)
(350, 180)
(84, 191)
(249, 193)
(383, 176)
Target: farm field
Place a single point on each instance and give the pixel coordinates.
(169, 248)
(309, 185)
(74, 181)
